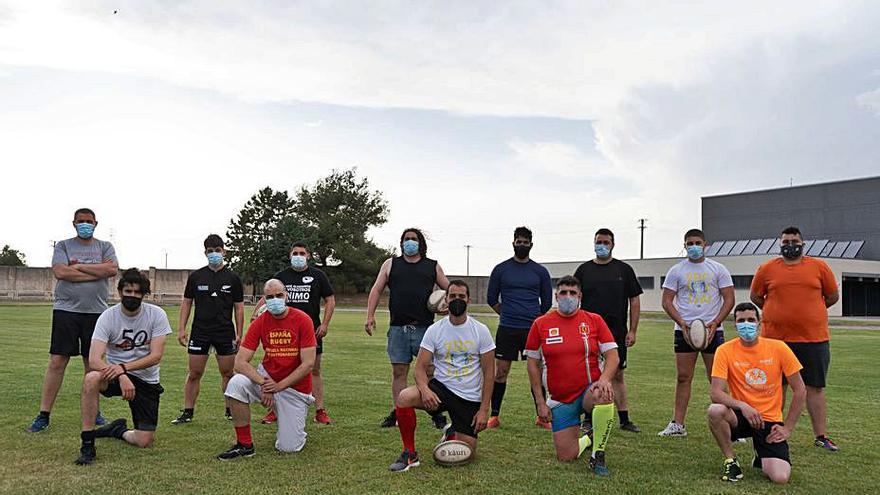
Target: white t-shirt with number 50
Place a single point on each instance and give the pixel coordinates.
(457, 350)
(128, 338)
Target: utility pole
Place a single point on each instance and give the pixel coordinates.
(642, 245)
(468, 266)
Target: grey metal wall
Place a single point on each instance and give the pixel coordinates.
(839, 211)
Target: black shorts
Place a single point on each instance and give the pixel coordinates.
(682, 346)
(815, 357)
(145, 405)
(620, 339)
(510, 343)
(759, 438)
(201, 342)
(461, 411)
(72, 332)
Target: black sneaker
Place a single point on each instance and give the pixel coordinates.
(448, 431)
(597, 464)
(732, 471)
(237, 450)
(439, 420)
(389, 421)
(185, 417)
(87, 455)
(114, 429)
(630, 426)
(406, 460)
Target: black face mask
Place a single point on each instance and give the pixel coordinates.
(131, 303)
(457, 307)
(521, 252)
(791, 251)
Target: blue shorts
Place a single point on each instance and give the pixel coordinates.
(404, 342)
(568, 414)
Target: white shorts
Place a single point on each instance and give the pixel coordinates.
(291, 407)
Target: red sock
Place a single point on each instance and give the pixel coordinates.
(243, 435)
(406, 421)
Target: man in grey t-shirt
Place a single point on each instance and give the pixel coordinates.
(132, 336)
(82, 266)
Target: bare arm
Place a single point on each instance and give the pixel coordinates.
(423, 362)
(798, 400)
(669, 306)
(243, 365)
(96, 355)
(70, 274)
(329, 306)
(728, 298)
(260, 304)
(442, 281)
(487, 365)
(106, 269)
(612, 361)
(635, 312)
(157, 348)
(307, 362)
(185, 308)
(533, 366)
(757, 300)
(238, 308)
(375, 293)
(831, 299)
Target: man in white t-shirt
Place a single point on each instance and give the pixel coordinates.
(462, 352)
(695, 288)
(132, 335)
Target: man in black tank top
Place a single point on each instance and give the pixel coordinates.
(410, 279)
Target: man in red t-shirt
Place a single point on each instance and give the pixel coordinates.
(580, 358)
(282, 380)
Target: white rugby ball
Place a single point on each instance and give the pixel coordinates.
(698, 334)
(262, 309)
(452, 453)
(437, 302)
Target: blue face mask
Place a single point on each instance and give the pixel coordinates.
(276, 305)
(695, 252)
(410, 247)
(568, 305)
(85, 230)
(215, 258)
(747, 330)
(298, 262)
(603, 251)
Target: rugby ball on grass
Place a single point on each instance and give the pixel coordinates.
(437, 302)
(452, 453)
(698, 335)
(260, 311)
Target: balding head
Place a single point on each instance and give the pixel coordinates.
(273, 286)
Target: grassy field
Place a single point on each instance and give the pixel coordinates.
(353, 454)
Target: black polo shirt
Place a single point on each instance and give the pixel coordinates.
(305, 290)
(214, 294)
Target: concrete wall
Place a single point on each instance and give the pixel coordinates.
(838, 211)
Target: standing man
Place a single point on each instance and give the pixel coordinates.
(611, 290)
(217, 291)
(753, 367)
(81, 265)
(460, 350)
(795, 292)
(526, 292)
(284, 378)
(132, 335)
(411, 278)
(570, 342)
(306, 287)
(695, 288)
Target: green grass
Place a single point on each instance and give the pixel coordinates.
(353, 454)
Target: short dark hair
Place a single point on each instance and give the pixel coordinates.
(793, 231)
(300, 244)
(459, 283)
(746, 306)
(604, 231)
(133, 276)
(568, 280)
(423, 244)
(85, 211)
(695, 233)
(213, 241)
(522, 232)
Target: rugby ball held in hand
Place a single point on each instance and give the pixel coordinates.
(437, 302)
(698, 334)
(452, 453)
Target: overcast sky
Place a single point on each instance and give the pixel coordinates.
(471, 117)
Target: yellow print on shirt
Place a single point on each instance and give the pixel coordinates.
(458, 357)
(698, 288)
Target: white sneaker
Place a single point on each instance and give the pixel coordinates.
(673, 429)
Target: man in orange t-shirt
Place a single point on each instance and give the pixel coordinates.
(752, 368)
(794, 291)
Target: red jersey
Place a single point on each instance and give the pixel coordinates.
(282, 342)
(570, 346)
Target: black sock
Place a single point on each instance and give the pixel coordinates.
(497, 397)
(45, 414)
(624, 416)
(435, 414)
(192, 409)
(88, 438)
(393, 414)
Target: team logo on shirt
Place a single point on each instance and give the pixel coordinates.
(308, 280)
(225, 289)
(553, 340)
(756, 376)
(582, 328)
(132, 339)
(203, 287)
(554, 332)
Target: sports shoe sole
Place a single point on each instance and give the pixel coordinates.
(415, 464)
(237, 457)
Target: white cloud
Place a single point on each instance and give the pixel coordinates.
(870, 100)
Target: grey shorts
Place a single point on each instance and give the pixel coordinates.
(404, 342)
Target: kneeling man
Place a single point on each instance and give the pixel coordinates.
(462, 352)
(282, 380)
(752, 367)
(132, 335)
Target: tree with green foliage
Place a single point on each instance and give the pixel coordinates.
(11, 257)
